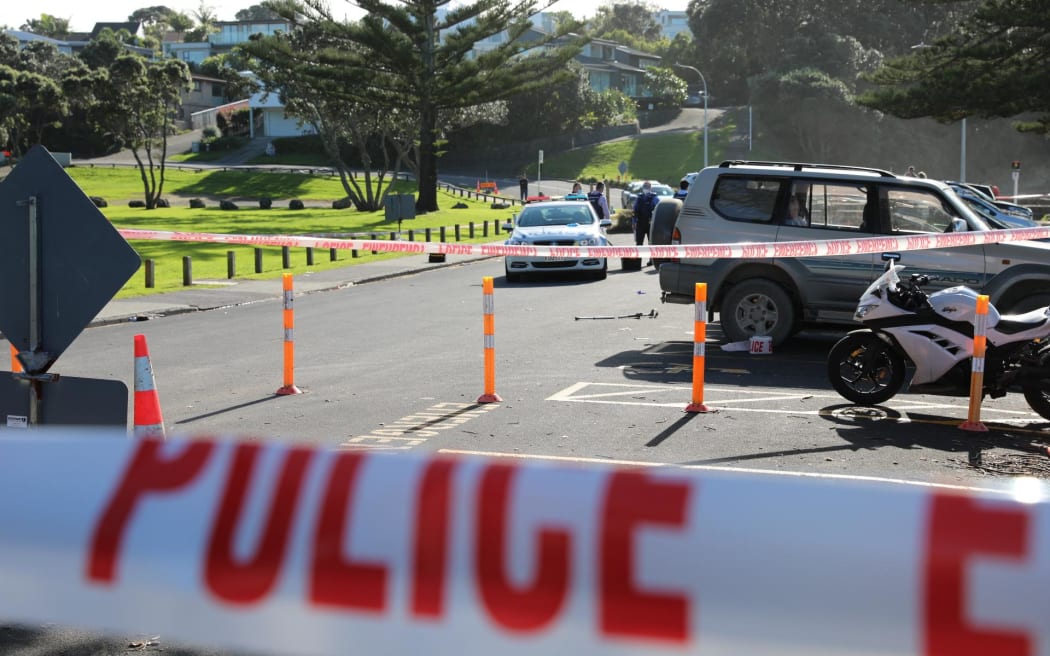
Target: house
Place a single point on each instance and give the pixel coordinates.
(229, 34)
(77, 41)
(610, 65)
(205, 93)
(234, 33)
(673, 23)
(192, 52)
(24, 37)
(267, 117)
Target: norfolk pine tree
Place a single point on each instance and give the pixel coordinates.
(993, 65)
(415, 62)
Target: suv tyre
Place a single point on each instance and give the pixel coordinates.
(757, 307)
(664, 218)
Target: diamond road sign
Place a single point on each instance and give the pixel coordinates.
(49, 296)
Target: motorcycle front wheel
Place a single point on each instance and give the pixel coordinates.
(864, 369)
(1038, 395)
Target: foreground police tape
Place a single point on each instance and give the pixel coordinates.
(294, 550)
(742, 250)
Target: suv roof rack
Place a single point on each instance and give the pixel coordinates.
(798, 166)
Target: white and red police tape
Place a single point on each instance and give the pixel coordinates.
(286, 550)
(839, 247)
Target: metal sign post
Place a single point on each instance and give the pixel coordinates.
(1016, 174)
(61, 265)
(539, 175)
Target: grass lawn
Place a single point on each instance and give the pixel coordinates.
(209, 260)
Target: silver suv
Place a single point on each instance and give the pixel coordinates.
(774, 201)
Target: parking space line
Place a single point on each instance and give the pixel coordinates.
(612, 462)
(578, 393)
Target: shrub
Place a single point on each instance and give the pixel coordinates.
(296, 204)
(210, 132)
(196, 203)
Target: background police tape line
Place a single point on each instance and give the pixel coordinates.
(837, 247)
(293, 550)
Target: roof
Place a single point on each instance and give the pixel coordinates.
(131, 26)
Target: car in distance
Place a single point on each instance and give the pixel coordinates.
(556, 223)
(989, 211)
(660, 189)
(633, 187)
(739, 201)
(984, 193)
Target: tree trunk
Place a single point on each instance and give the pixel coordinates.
(427, 178)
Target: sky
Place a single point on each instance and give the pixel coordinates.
(84, 15)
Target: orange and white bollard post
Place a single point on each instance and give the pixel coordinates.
(980, 344)
(289, 341)
(699, 349)
(148, 420)
(489, 306)
(16, 364)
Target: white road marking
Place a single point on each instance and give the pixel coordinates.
(718, 468)
(613, 392)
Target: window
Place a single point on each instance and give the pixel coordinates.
(197, 86)
(746, 199)
(838, 207)
(216, 90)
(913, 210)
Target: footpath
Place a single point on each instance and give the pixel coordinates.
(215, 294)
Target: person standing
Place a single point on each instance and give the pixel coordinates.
(523, 184)
(683, 190)
(643, 213)
(599, 202)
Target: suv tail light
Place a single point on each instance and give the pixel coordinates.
(676, 239)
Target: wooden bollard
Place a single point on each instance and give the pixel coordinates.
(187, 271)
(231, 265)
(258, 260)
(148, 269)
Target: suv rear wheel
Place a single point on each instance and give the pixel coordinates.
(664, 218)
(757, 307)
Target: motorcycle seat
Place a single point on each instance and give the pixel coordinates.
(1011, 324)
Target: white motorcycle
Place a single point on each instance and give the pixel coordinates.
(934, 333)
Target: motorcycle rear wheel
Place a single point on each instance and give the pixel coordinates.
(864, 369)
(1038, 396)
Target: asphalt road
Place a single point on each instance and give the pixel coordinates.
(588, 388)
(574, 385)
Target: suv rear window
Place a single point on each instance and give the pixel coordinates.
(746, 199)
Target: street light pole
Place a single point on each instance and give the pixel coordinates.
(704, 82)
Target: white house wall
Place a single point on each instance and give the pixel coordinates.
(277, 124)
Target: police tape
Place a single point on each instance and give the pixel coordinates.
(834, 247)
(283, 549)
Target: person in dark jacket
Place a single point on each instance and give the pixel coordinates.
(524, 185)
(644, 206)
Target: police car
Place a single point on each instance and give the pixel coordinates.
(567, 222)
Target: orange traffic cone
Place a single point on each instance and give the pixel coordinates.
(148, 420)
(16, 364)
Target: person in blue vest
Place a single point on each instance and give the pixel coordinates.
(601, 205)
